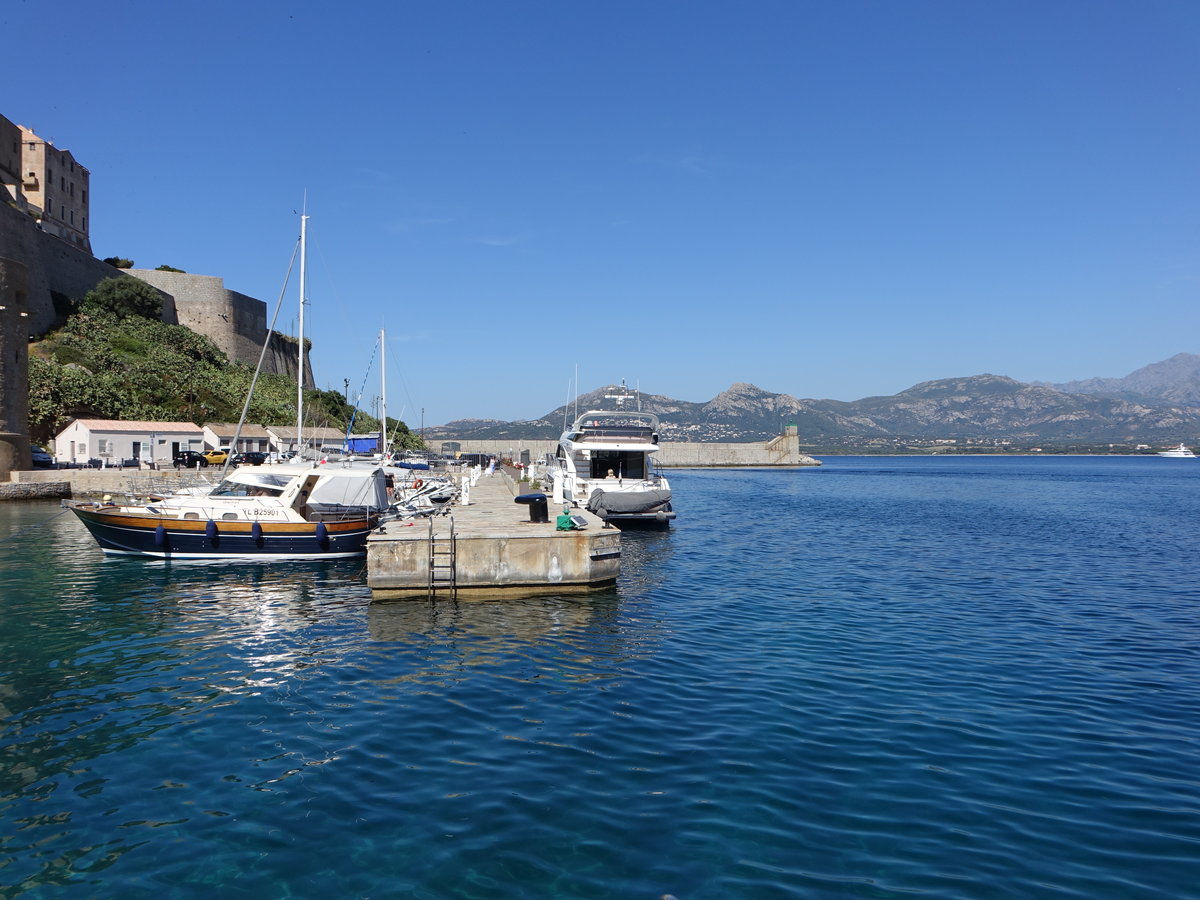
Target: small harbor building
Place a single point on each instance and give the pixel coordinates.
(252, 437)
(114, 442)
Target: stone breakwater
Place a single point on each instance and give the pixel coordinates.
(50, 490)
(56, 483)
(783, 450)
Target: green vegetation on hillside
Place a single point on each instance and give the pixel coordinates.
(113, 359)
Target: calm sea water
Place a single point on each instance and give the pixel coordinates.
(884, 678)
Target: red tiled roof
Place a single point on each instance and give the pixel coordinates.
(119, 425)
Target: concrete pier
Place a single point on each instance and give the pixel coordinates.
(498, 551)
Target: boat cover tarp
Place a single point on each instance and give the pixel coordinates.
(337, 489)
(616, 503)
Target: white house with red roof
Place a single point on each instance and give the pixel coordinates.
(115, 442)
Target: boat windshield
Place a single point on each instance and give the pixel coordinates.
(252, 485)
(630, 427)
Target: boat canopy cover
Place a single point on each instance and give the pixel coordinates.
(606, 503)
(347, 487)
(337, 486)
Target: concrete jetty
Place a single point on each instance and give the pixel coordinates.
(490, 548)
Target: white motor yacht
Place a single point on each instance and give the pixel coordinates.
(1180, 452)
(604, 463)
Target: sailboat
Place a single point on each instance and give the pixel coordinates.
(264, 512)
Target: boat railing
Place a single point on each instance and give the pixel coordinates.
(624, 433)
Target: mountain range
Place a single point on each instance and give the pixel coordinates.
(1159, 403)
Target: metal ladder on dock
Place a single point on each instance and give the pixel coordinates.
(443, 560)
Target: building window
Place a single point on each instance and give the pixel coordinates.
(104, 447)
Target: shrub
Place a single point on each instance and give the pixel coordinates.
(124, 296)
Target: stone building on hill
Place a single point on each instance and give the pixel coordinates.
(47, 183)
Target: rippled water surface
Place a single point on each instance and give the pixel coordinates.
(883, 678)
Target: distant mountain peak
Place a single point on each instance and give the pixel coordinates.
(1174, 380)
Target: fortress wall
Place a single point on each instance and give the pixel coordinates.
(235, 322)
(14, 350)
(53, 265)
(202, 303)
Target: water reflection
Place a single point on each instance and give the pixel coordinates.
(644, 558)
(523, 619)
(142, 700)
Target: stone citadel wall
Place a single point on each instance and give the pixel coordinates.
(236, 323)
(53, 266)
(14, 347)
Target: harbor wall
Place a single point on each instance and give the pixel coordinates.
(84, 482)
(783, 450)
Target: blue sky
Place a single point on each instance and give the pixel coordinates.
(826, 199)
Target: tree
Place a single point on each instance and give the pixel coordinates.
(124, 296)
(118, 262)
(166, 268)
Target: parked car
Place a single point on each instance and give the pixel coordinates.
(190, 459)
(41, 458)
(216, 457)
(250, 458)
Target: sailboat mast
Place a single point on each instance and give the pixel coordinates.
(383, 432)
(303, 301)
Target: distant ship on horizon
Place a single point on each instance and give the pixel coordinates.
(1180, 452)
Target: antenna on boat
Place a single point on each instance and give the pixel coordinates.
(303, 301)
(621, 396)
(567, 404)
(383, 448)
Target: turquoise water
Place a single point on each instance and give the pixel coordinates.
(887, 677)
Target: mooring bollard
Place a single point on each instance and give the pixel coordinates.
(539, 509)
